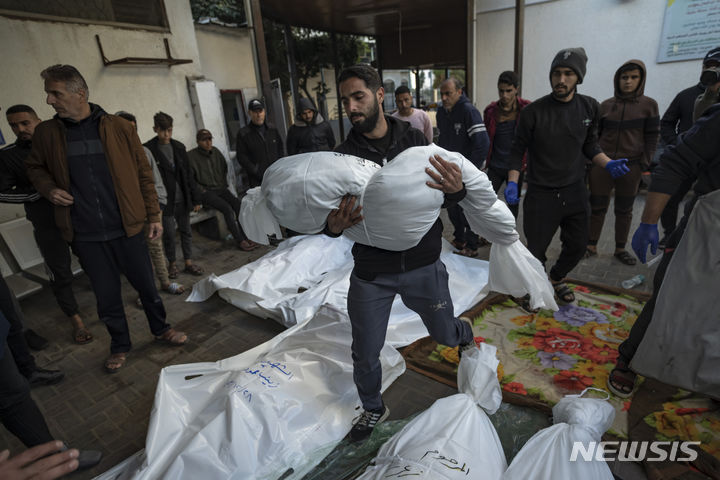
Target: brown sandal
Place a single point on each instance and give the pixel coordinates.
(193, 269)
(173, 337)
(115, 362)
(81, 336)
(173, 271)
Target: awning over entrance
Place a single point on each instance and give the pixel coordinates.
(410, 33)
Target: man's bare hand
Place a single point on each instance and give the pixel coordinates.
(447, 176)
(345, 216)
(154, 230)
(58, 196)
(36, 464)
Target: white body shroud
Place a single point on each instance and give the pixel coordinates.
(398, 208)
(283, 404)
(454, 438)
(547, 454)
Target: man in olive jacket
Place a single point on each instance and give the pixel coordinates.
(92, 167)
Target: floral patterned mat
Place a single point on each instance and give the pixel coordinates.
(548, 355)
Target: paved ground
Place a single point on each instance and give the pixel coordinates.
(91, 409)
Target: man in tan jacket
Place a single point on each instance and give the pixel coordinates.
(92, 167)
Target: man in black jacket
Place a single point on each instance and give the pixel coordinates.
(183, 195)
(311, 132)
(559, 131)
(15, 187)
(258, 145)
(417, 274)
(695, 155)
(677, 119)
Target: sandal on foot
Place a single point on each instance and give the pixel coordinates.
(467, 252)
(193, 269)
(173, 337)
(524, 304)
(590, 253)
(174, 288)
(247, 245)
(621, 380)
(115, 362)
(173, 271)
(81, 336)
(563, 292)
(458, 244)
(625, 258)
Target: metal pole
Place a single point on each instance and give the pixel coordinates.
(290, 43)
(519, 31)
(417, 87)
(266, 88)
(336, 62)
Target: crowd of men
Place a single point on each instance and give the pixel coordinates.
(90, 187)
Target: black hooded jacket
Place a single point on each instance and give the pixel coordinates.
(180, 174)
(316, 136)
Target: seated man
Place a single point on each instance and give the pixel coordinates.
(210, 170)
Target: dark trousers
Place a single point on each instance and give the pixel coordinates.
(104, 262)
(626, 188)
(182, 217)
(670, 213)
(628, 348)
(10, 308)
(424, 291)
(498, 176)
(18, 411)
(55, 252)
(462, 232)
(229, 205)
(544, 211)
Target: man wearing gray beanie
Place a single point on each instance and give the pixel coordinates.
(559, 132)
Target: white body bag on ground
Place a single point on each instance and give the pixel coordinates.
(547, 455)
(280, 406)
(682, 344)
(454, 438)
(268, 287)
(300, 191)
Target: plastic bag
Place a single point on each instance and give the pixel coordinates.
(548, 453)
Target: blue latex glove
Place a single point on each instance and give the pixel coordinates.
(617, 168)
(511, 193)
(646, 234)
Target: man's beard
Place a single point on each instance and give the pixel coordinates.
(370, 122)
(569, 92)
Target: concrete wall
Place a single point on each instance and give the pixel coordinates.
(29, 46)
(227, 56)
(611, 31)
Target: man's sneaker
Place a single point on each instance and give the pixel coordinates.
(35, 341)
(366, 423)
(466, 347)
(42, 376)
(662, 243)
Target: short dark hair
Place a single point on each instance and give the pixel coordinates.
(509, 77)
(67, 74)
(20, 108)
(364, 72)
(402, 89)
(629, 66)
(162, 120)
(127, 116)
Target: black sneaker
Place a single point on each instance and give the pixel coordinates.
(42, 376)
(662, 243)
(367, 421)
(35, 341)
(86, 458)
(466, 347)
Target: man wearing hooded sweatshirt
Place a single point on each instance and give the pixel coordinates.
(461, 130)
(559, 131)
(630, 128)
(310, 133)
(92, 167)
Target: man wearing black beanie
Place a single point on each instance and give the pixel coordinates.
(559, 131)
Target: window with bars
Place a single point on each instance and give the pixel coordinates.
(145, 13)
